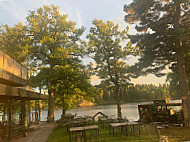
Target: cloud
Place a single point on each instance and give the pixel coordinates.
(94, 80)
(149, 79)
(123, 25)
(79, 18)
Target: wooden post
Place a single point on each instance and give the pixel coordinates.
(10, 120)
(40, 104)
(23, 112)
(33, 118)
(29, 113)
(4, 112)
(13, 115)
(36, 112)
(24, 116)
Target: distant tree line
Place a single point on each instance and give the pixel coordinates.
(138, 92)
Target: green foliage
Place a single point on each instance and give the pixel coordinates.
(163, 27)
(71, 85)
(15, 42)
(173, 79)
(157, 34)
(55, 52)
(138, 92)
(54, 37)
(106, 49)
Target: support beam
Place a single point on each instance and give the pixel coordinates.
(40, 104)
(7, 92)
(36, 112)
(29, 112)
(4, 113)
(10, 119)
(24, 116)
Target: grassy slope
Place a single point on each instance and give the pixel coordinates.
(174, 134)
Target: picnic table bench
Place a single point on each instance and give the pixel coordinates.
(81, 132)
(123, 127)
(93, 130)
(78, 132)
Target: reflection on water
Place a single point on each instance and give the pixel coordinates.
(129, 111)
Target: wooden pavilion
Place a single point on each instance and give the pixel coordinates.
(15, 99)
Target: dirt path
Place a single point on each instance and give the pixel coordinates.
(41, 134)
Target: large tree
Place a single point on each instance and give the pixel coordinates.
(105, 47)
(163, 36)
(55, 40)
(71, 86)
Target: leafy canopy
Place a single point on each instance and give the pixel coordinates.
(105, 47)
(157, 34)
(71, 86)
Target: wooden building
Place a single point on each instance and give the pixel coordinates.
(161, 111)
(15, 99)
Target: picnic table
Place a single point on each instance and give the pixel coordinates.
(72, 124)
(93, 130)
(78, 132)
(105, 121)
(81, 132)
(123, 127)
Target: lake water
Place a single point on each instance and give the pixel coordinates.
(129, 111)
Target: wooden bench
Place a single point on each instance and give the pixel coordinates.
(77, 132)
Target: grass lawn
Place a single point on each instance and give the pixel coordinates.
(173, 133)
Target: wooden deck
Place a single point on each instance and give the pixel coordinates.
(40, 134)
(11, 72)
(8, 92)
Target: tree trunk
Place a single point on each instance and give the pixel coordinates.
(40, 105)
(184, 88)
(51, 111)
(181, 70)
(118, 101)
(63, 113)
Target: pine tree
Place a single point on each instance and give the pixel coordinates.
(163, 38)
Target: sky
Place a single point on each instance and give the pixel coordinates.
(83, 12)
